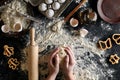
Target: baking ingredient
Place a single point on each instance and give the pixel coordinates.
(17, 27)
(92, 16)
(50, 13)
(74, 22)
(61, 54)
(49, 1)
(42, 7)
(5, 28)
(56, 5)
(83, 32)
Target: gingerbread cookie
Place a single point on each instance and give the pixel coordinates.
(114, 59)
(104, 45)
(8, 51)
(116, 38)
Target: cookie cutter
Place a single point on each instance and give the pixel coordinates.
(13, 63)
(116, 38)
(104, 45)
(114, 59)
(8, 51)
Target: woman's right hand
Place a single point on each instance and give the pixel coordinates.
(68, 65)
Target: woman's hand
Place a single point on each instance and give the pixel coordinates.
(53, 65)
(69, 62)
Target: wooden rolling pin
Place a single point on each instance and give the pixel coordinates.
(33, 57)
(74, 10)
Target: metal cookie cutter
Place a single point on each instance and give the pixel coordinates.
(116, 38)
(8, 51)
(104, 45)
(114, 59)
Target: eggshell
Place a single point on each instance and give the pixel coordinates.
(17, 27)
(83, 32)
(5, 29)
(74, 22)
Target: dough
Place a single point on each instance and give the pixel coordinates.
(61, 55)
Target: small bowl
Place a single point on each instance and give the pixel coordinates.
(5, 29)
(17, 27)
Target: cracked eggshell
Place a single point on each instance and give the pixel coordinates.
(56, 5)
(74, 22)
(42, 7)
(49, 13)
(92, 16)
(17, 27)
(49, 1)
(61, 1)
(5, 29)
(83, 32)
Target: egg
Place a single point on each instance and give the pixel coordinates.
(50, 13)
(49, 1)
(61, 1)
(56, 5)
(42, 7)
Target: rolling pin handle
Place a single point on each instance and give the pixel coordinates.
(32, 36)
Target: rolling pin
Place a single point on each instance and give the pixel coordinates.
(33, 57)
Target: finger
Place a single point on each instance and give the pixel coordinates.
(57, 61)
(52, 56)
(70, 49)
(71, 57)
(66, 61)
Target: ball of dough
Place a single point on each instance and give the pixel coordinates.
(61, 54)
(42, 7)
(61, 1)
(49, 13)
(56, 5)
(49, 1)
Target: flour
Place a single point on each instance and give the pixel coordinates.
(10, 13)
(87, 55)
